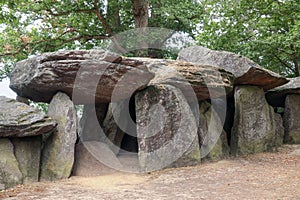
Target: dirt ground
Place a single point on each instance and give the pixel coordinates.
(262, 176)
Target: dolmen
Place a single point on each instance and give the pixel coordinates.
(206, 105)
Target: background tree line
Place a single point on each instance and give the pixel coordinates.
(266, 31)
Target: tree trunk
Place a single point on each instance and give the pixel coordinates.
(113, 11)
(141, 15)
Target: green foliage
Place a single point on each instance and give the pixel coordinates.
(266, 31)
(29, 27)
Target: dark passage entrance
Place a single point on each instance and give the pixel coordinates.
(129, 142)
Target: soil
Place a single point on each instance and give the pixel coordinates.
(261, 176)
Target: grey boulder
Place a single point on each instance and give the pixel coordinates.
(10, 174)
(20, 120)
(245, 70)
(213, 139)
(166, 129)
(59, 149)
(291, 119)
(254, 128)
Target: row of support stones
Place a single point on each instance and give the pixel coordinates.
(42, 157)
(257, 128)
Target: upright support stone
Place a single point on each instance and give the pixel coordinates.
(166, 129)
(291, 119)
(213, 139)
(254, 128)
(114, 134)
(58, 153)
(28, 153)
(10, 174)
(279, 130)
(92, 122)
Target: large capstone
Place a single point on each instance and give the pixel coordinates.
(245, 70)
(276, 97)
(166, 129)
(58, 152)
(207, 81)
(20, 120)
(291, 119)
(254, 128)
(85, 76)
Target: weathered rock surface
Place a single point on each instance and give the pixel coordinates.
(213, 139)
(276, 97)
(245, 70)
(279, 130)
(93, 75)
(166, 129)
(28, 153)
(91, 122)
(254, 128)
(291, 119)
(58, 152)
(114, 134)
(20, 120)
(206, 81)
(10, 174)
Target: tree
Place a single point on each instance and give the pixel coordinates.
(29, 27)
(266, 31)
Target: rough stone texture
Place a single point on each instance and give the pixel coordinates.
(114, 134)
(10, 174)
(28, 153)
(58, 152)
(87, 164)
(213, 139)
(166, 129)
(291, 119)
(245, 70)
(279, 130)
(206, 81)
(91, 122)
(254, 128)
(41, 77)
(20, 120)
(276, 97)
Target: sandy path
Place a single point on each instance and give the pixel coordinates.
(263, 176)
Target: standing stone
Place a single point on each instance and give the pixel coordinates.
(291, 119)
(254, 127)
(118, 122)
(279, 130)
(166, 129)
(213, 139)
(28, 153)
(10, 174)
(58, 153)
(91, 122)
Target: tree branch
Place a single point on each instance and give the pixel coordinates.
(69, 12)
(284, 63)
